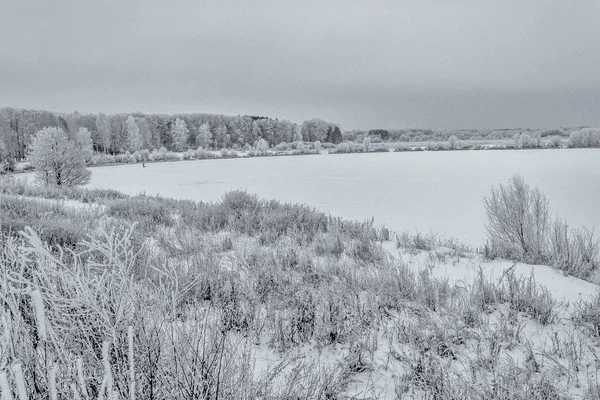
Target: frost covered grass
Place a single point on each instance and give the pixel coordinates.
(251, 299)
(520, 227)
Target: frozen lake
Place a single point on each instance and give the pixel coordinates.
(437, 192)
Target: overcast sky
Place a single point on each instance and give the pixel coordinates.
(362, 64)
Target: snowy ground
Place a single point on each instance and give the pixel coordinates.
(560, 349)
(396, 357)
(427, 191)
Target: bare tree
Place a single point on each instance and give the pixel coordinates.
(518, 220)
(57, 159)
(104, 133)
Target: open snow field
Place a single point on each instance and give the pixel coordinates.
(437, 192)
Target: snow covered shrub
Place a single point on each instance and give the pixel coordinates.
(103, 159)
(121, 158)
(300, 148)
(201, 154)
(524, 141)
(453, 142)
(132, 159)
(574, 251)
(347, 147)
(188, 154)
(366, 143)
(584, 138)
(318, 147)
(171, 156)
(555, 142)
(551, 132)
(144, 155)
(158, 155)
(227, 153)
(433, 146)
(262, 146)
(283, 146)
(518, 219)
(145, 210)
(587, 314)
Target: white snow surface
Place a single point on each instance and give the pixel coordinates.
(437, 192)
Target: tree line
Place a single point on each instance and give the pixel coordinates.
(120, 133)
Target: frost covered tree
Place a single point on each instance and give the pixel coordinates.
(262, 146)
(204, 136)
(220, 138)
(134, 138)
(255, 133)
(145, 133)
(297, 135)
(84, 142)
(366, 143)
(453, 142)
(57, 159)
(103, 126)
(179, 135)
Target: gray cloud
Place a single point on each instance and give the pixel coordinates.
(363, 64)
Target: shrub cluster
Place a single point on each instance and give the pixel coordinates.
(520, 227)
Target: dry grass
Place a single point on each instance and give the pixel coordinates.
(205, 289)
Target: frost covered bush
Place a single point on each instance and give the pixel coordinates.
(433, 146)
(131, 158)
(171, 156)
(262, 146)
(188, 154)
(366, 143)
(284, 146)
(103, 159)
(122, 158)
(201, 154)
(555, 142)
(347, 147)
(144, 155)
(454, 142)
(518, 219)
(584, 138)
(228, 153)
(524, 141)
(574, 251)
(552, 132)
(318, 147)
(519, 227)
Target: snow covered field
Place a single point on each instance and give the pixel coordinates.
(437, 192)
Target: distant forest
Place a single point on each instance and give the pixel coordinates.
(120, 133)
